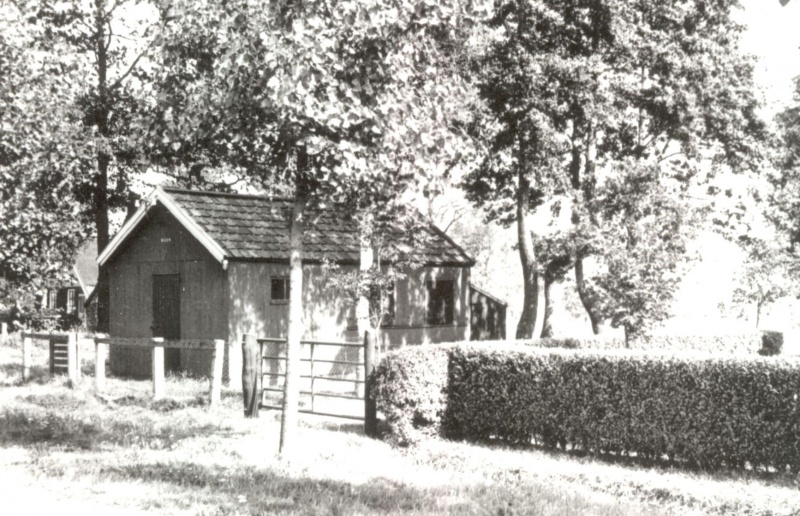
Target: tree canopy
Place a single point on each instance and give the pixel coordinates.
(599, 93)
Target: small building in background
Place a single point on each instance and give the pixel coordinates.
(70, 299)
(487, 315)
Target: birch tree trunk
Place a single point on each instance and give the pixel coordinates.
(291, 386)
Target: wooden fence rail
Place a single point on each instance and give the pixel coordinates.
(102, 343)
(157, 344)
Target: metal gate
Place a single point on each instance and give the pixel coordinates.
(332, 377)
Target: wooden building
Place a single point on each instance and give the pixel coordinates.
(70, 299)
(487, 315)
(198, 265)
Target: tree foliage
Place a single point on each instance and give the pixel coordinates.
(650, 92)
(341, 103)
(40, 159)
(81, 103)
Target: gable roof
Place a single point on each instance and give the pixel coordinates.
(487, 295)
(256, 228)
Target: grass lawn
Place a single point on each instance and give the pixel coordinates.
(72, 450)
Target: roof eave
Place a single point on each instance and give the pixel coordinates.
(185, 219)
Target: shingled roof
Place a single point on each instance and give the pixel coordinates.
(256, 228)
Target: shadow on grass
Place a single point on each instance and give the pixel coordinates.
(632, 461)
(71, 421)
(12, 375)
(258, 491)
(345, 427)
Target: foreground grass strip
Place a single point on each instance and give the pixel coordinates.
(126, 454)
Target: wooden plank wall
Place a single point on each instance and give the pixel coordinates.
(251, 311)
(162, 246)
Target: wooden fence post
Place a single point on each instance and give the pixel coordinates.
(159, 384)
(216, 372)
(251, 375)
(370, 411)
(100, 353)
(26, 357)
(73, 367)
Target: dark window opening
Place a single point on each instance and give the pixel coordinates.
(279, 292)
(441, 302)
(387, 306)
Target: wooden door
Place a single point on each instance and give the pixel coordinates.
(167, 315)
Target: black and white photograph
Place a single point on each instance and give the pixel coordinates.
(400, 257)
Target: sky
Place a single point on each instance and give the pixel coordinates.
(773, 36)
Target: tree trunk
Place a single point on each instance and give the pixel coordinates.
(530, 274)
(291, 386)
(547, 323)
(585, 185)
(588, 302)
(366, 263)
(101, 181)
(758, 313)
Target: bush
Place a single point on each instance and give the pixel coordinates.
(410, 388)
(735, 344)
(696, 408)
(771, 343)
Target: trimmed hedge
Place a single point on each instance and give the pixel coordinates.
(734, 344)
(696, 408)
(410, 389)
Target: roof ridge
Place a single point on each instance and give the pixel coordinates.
(224, 194)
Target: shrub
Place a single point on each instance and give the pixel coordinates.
(691, 407)
(771, 343)
(700, 409)
(735, 344)
(409, 387)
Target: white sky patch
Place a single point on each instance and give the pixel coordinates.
(773, 36)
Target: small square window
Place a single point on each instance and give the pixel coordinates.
(441, 302)
(279, 292)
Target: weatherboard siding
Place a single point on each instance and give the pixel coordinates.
(411, 303)
(251, 310)
(162, 246)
